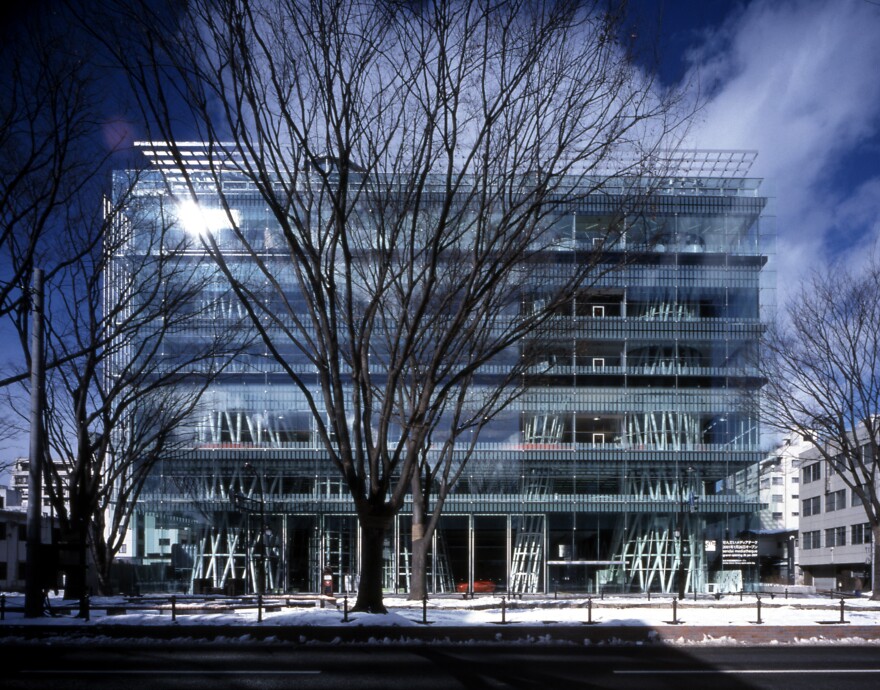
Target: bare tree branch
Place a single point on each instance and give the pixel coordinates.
(415, 160)
(822, 366)
(129, 380)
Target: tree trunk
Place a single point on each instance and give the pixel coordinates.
(75, 586)
(105, 584)
(103, 560)
(374, 525)
(76, 557)
(419, 576)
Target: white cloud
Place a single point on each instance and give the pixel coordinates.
(797, 80)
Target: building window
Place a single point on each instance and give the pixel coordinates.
(861, 534)
(778, 481)
(835, 500)
(777, 498)
(835, 536)
(777, 516)
(812, 473)
(856, 500)
(598, 311)
(812, 506)
(829, 537)
(812, 540)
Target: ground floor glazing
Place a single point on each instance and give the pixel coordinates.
(248, 551)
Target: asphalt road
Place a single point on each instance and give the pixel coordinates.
(424, 667)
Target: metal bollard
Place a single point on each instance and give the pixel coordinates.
(589, 610)
(345, 610)
(173, 608)
(759, 610)
(675, 611)
(649, 595)
(2, 607)
(84, 607)
(425, 609)
(786, 593)
(503, 611)
(841, 610)
(259, 608)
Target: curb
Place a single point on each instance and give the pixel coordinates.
(581, 634)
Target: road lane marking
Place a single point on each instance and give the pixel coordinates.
(732, 671)
(160, 672)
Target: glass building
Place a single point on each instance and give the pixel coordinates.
(605, 475)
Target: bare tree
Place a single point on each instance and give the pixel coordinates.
(55, 149)
(51, 151)
(822, 367)
(126, 378)
(415, 158)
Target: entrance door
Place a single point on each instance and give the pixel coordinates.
(490, 553)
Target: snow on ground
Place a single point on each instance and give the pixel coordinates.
(450, 610)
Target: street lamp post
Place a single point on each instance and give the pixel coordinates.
(833, 571)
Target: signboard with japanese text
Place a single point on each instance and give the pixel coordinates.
(739, 552)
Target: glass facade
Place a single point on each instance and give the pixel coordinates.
(604, 475)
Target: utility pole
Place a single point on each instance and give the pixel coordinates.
(682, 571)
(33, 593)
(260, 575)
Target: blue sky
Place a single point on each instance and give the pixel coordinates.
(796, 80)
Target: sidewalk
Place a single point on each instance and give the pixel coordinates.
(450, 619)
